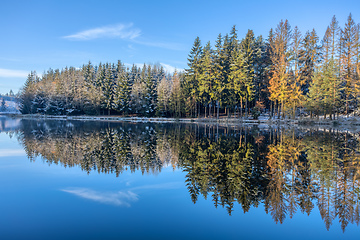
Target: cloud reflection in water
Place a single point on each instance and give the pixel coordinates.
(113, 198)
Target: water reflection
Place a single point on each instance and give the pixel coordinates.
(286, 170)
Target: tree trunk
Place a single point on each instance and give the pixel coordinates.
(278, 110)
(246, 108)
(241, 107)
(294, 111)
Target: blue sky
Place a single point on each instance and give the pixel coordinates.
(38, 35)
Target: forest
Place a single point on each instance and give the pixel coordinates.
(284, 170)
(287, 75)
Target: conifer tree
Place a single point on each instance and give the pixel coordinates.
(295, 93)
(248, 45)
(191, 84)
(278, 84)
(348, 61)
(164, 94)
(238, 77)
(107, 86)
(27, 93)
(219, 73)
(206, 77)
(150, 92)
(122, 90)
(176, 99)
(309, 58)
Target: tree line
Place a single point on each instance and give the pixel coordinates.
(288, 74)
(103, 89)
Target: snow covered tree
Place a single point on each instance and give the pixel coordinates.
(122, 90)
(164, 95)
(176, 99)
(27, 93)
(107, 86)
(150, 92)
(3, 105)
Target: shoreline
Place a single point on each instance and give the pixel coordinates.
(342, 123)
(341, 120)
(114, 118)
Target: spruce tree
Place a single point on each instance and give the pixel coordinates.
(206, 77)
(309, 59)
(348, 61)
(237, 77)
(122, 90)
(295, 92)
(248, 46)
(279, 54)
(191, 84)
(107, 86)
(219, 73)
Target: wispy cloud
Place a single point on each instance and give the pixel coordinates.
(167, 45)
(122, 31)
(13, 73)
(113, 198)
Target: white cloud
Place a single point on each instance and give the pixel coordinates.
(123, 31)
(12, 152)
(170, 69)
(112, 198)
(168, 45)
(13, 73)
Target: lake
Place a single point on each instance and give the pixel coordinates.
(113, 180)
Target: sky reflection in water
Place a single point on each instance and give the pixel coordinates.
(246, 182)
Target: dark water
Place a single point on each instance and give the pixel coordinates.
(99, 180)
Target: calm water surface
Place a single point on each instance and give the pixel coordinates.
(99, 180)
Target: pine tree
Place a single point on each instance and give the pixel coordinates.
(176, 99)
(164, 95)
(27, 93)
(248, 46)
(334, 35)
(309, 58)
(324, 93)
(219, 73)
(107, 86)
(191, 84)
(295, 93)
(150, 92)
(122, 90)
(348, 61)
(206, 77)
(279, 54)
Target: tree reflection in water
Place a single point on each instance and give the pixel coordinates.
(286, 170)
